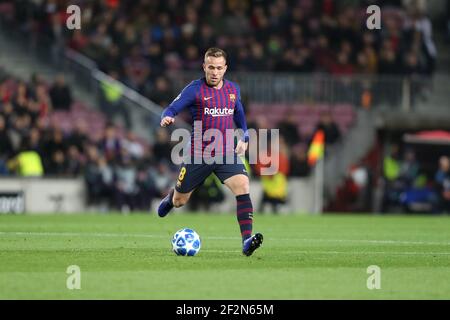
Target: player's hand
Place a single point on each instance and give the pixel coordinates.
(166, 121)
(241, 147)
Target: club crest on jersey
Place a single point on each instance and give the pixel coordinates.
(232, 97)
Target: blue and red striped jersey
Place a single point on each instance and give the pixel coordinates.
(215, 108)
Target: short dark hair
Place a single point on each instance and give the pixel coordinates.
(216, 52)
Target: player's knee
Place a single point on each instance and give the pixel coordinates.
(242, 188)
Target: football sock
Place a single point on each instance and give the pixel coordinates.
(245, 215)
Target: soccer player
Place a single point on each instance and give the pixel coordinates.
(216, 102)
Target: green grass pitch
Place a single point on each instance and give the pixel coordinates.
(303, 257)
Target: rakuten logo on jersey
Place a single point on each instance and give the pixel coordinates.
(217, 112)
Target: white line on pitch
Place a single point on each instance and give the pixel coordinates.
(347, 252)
(374, 252)
(124, 235)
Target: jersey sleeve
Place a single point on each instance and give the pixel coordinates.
(239, 116)
(185, 99)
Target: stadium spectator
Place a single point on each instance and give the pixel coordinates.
(6, 145)
(131, 145)
(448, 22)
(19, 129)
(391, 174)
(56, 31)
(110, 144)
(58, 164)
(54, 144)
(342, 67)
(112, 60)
(145, 189)
(20, 99)
(161, 93)
(36, 142)
(442, 180)
(111, 99)
(162, 148)
(136, 69)
(36, 80)
(361, 176)
(61, 96)
(409, 169)
(275, 185)
(391, 163)
(125, 184)
(289, 129)
(422, 30)
(160, 175)
(27, 163)
(78, 41)
(42, 105)
(299, 162)
(329, 127)
(74, 162)
(98, 176)
(347, 194)
(274, 191)
(79, 136)
(7, 113)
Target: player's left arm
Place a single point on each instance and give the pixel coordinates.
(241, 123)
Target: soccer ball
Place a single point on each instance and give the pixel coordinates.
(186, 242)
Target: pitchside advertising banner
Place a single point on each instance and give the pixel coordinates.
(31, 195)
(12, 202)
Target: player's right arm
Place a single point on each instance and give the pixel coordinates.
(182, 101)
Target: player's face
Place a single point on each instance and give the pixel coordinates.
(215, 68)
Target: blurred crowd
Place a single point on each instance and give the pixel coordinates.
(396, 181)
(407, 186)
(120, 172)
(144, 40)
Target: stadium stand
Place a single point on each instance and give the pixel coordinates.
(147, 43)
(143, 40)
(71, 143)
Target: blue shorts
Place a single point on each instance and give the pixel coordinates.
(193, 175)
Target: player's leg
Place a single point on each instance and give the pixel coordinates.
(180, 198)
(174, 199)
(191, 176)
(239, 185)
(234, 176)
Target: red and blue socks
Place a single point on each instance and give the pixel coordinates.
(245, 215)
